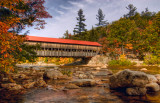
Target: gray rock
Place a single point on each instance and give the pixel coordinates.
(84, 82)
(128, 78)
(103, 73)
(152, 87)
(136, 91)
(52, 74)
(11, 86)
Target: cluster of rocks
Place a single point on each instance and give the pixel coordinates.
(27, 78)
(54, 74)
(135, 82)
(22, 80)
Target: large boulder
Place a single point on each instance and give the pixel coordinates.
(128, 78)
(84, 82)
(52, 74)
(136, 91)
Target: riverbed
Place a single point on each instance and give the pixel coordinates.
(97, 94)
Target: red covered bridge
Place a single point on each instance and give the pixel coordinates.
(54, 47)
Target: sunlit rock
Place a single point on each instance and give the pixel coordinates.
(11, 86)
(29, 85)
(84, 82)
(40, 83)
(143, 69)
(52, 74)
(72, 86)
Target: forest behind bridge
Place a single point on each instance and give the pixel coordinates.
(135, 33)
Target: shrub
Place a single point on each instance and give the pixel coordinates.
(121, 63)
(66, 72)
(151, 59)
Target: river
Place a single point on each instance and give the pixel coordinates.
(97, 94)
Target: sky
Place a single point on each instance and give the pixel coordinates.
(64, 13)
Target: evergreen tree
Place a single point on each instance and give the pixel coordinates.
(100, 17)
(132, 11)
(80, 27)
(147, 14)
(66, 35)
(93, 35)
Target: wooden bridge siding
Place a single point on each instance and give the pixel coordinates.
(65, 54)
(65, 50)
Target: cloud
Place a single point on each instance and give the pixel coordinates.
(65, 7)
(77, 4)
(65, 12)
(60, 12)
(89, 1)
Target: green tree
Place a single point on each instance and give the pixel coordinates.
(121, 31)
(80, 27)
(67, 35)
(132, 11)
(100, 17)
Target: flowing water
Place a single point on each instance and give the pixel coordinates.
(97, 94)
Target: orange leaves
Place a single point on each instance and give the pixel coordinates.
(150, 22)
(14, 18)
(9, 42)
(10, 4)
(129, 46)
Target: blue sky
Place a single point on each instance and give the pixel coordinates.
(64, 13)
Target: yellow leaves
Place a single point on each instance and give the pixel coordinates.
(123, 57)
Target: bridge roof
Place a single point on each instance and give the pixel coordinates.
(63, 41)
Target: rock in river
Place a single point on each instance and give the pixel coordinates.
(11, 86)
(72, 86)
(84, 82)
(128, 78)
(52, 74)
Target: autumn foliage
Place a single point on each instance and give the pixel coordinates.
(15, 15)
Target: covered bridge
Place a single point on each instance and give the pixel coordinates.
(54, 47)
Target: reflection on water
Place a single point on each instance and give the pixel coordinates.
(87, 95)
